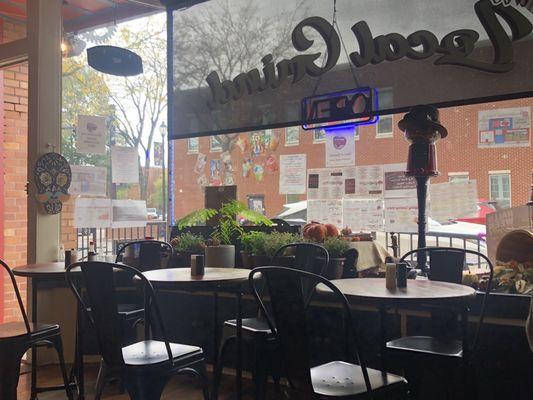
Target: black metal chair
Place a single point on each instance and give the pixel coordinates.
(446, 264)
(18, 337)
(308, 257)
(144, 366)
(349, 269)
(348, 378)
(145, 254)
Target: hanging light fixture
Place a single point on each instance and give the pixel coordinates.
(72, 46)
(114, 60)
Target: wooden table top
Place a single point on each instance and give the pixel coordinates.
(49, 269)
(181, 277)
(374, 289)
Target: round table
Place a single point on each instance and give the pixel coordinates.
(226, 279)
(422, 291)
(417, 290)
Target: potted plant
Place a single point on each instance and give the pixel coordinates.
(250, 241)
(336, 247)
(184, 246)
(220, 250)
(267, 245)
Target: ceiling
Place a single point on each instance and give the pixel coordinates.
(80, 15)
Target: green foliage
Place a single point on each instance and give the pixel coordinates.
(188, 242)
(228, 227)
(253, 241)
(275, 240)
(335, 246)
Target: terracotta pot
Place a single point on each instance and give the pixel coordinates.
(283, 261)
(222, 256)
(247, 260)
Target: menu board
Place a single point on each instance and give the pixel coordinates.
(330, 183)
(401, 215)
(396, 183)
(363, 214)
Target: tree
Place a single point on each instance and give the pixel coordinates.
(141, 100)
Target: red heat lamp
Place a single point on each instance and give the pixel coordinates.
(422, 129)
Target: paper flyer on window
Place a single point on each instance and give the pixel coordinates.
(396, 183)
(88, 180)
(401, 215)
(369, 180)
(330, 183)
(292, 173)
(363, 214)
(92, 213)
(91, 135)
(124, 165)
(129, 213)
(325, 211)
(340, 148)
(504, 127)
(453, 200)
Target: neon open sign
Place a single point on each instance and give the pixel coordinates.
(349, 107)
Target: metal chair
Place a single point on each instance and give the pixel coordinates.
(446, 264)
(349, 269)
(348, 378)
(144, 366)
(309, 257)
(146, 254)
(18, 337)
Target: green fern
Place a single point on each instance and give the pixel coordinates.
(196, 218)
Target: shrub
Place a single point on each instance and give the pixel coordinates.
(336, 247)
(188, 242)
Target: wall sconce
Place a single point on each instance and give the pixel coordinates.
(422, 129)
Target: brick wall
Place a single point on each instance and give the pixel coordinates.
(15, 143)
(458, 152)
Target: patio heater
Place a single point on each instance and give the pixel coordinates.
(163, 132)
(422, 129)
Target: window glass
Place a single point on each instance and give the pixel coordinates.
(214, 144)
(192, 145)
(292, 136)
(458, 178)
(500, 189)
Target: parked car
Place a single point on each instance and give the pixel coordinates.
(484, 207)
(151, 213)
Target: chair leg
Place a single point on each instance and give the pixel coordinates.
(58, 345)
(33, 395)
(218, 369)
(101, 380)
(9, 372)
(260, 369)
(204, 378)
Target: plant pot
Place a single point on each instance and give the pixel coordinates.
(283, 261)
(222, 256)
(182, 259)
(335, 268)
(247, 260)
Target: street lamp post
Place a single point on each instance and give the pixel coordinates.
(163, 131)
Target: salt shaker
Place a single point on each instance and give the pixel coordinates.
(401, 274)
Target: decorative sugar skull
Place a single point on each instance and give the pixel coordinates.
(52, 177)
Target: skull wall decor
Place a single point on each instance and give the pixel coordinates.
(52, 177)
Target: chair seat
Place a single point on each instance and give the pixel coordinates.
(427, 345)
(252, 325)
(339, 378)
(151, 352)
(11, 330)
(128, 310)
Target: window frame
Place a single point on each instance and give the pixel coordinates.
(388, 134)
(190, 150)
(214, 149)
(292, 143)
(501, 173)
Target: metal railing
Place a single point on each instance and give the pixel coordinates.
(107, 239)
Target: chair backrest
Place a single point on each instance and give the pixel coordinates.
(309, 257)
(288, 321)
(446, 264)
(17, 294)
(145, 255)
(100, 304)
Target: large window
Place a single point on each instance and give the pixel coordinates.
(458, 177)
(500, 188)
(385, 125)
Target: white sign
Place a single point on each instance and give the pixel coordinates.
(504, 127)
(129, 213)
(325, 212)
(330, 183)
(91, 134)
(396, 183)
(88, 180)
(92, 213)
(124, 165)
(453, 200)
(369, 180)
(340, 148)
(292, 173)
(401, 215)
(363, 214)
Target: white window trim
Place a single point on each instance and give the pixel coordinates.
(458, 173)
(502, 172)
(191, 151)
(385, 134)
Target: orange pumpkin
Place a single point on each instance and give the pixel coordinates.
(332, 230)
(315, 231)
